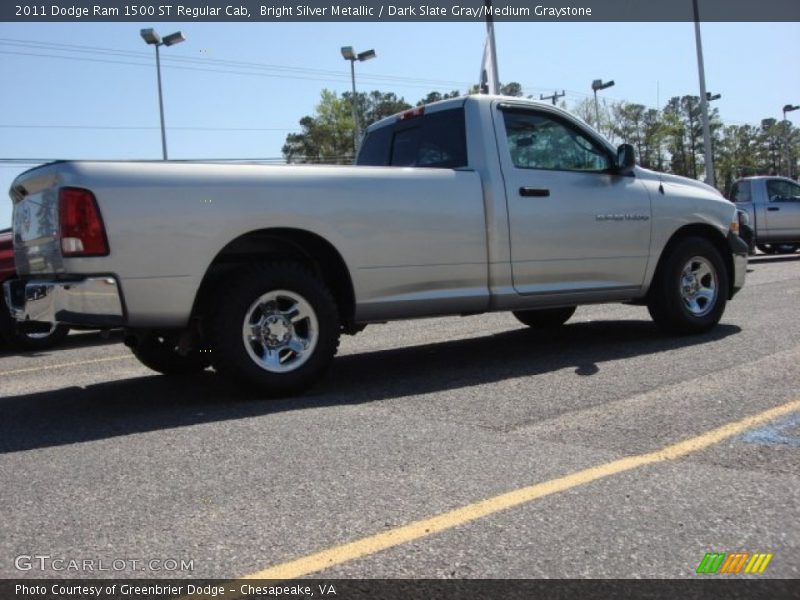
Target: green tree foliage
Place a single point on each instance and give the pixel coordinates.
(585, 109)
(327, 137)
(436, 96)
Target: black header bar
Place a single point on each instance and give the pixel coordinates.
(396, 10)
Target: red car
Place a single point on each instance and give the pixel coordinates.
(9, 332)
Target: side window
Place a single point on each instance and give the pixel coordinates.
(774, 190)
(539, 141)
(794, 192)
(740, 192)
(779, 190)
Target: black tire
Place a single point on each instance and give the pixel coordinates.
(545, 318)
(7, 326)
(11, 334)
(40, 341)
(288, 310)
(160, 353)
(778, 248)
(677, 305)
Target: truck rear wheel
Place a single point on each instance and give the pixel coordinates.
(690, 288)
(160, 353)
(47, 337)
(276, 329)
(51, 335)
(545, 318)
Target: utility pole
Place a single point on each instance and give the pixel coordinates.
(554, 97)
(709, 160)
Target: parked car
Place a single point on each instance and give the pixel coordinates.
(37, 336)
(465, 206)
(772, 205)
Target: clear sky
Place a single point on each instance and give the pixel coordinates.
(90, 91)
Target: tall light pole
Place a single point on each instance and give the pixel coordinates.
(787, 108)
(349, 54)
(151, 37)
(703, 98)
(598, 84)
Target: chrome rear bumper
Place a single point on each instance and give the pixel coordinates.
(90, 301)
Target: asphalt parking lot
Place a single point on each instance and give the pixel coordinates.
(458, 447)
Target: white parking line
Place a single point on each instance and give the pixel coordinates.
(64, 365)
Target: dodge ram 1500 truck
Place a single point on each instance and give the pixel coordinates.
(773, 208)
(469, 205)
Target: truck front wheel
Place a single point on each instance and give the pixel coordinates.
(545, 318)
(690, 288)
(778, 248)
(276, 329)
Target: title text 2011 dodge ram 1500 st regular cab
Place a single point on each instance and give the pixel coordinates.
(502, 204)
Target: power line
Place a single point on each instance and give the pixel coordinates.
(181, 61)
(144, 127)
(207, 60)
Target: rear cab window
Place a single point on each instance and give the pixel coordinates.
(740, 192)
(432, 140)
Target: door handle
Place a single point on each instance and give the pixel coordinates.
(772, 208)
(532, 192)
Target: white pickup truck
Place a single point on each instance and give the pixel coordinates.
(465, 206)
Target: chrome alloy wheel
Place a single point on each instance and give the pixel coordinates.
(280, 331)
(699, 286)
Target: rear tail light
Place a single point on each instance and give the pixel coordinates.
(82, 229)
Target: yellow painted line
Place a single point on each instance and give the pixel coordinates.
(360, 548)
(65, 365)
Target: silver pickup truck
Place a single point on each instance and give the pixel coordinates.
(772, 205)
(465, 206)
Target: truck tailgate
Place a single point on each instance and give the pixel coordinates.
(36, 238)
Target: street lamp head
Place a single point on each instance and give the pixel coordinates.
(598, 84)
(710, 96)
(790, 107)
(174, 38)
(150, 36)
(366, 55)
(347, 53)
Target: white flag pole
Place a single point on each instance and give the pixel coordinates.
(490, 81)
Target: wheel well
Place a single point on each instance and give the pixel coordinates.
(706, 232)
(306, 248)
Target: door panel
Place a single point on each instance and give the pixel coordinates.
(783, 209)
(574, 226)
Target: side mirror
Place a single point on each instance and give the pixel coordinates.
(626, 159)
